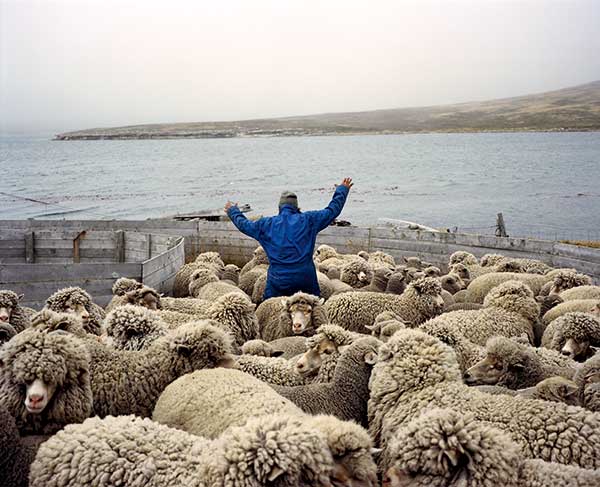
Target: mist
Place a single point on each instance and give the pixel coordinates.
(68, 65)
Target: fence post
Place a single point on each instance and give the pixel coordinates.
(76, 242)
(120, 246)
(500, 227)
(30, 248)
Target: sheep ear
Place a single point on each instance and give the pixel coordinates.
(20, 296)
(251, 306)
(539, 299)
(63, 325)
(277, 353)
(321, 301)
(275, 473)
(284, 302)
(517, 366)
(376, 451)
(405, 259)
(371, 358)
(371, 327)
(384, 353)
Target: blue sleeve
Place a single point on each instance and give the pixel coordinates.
(247, 227)
(323, 218)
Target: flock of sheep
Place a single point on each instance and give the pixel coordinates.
(398, 375)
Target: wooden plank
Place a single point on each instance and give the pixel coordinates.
(174, 255)
(40, 291)
(13, 260)
(120, 246)
(66, 272)
(591, 268)
(13, 253)
(68, 253)
(13, 243)
(67, 243)
(148, 246)
(582, 253)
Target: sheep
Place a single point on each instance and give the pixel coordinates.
(233, 312)
(272, 370)
(516, 366)
(325, 343)
(192, 306)
(119, 288)
(248, 397)
(461, 296)
(562, 280)
(443, 447)
(181, 284)
(127, 450)
(259, 258)
(380, 259)
(379, 281)
(355, 310)
(78, 302)
(448, 299)
(133, 328)
(129, 382)
(286, 347)
(490, 260)
(462, 272)
(16, 453)
(587, 379)
(414, 262)
(45, 380)
(327, 255)
(432, 271)
(385, 325)
(11, 312)
(357, 273)
(209, 290)
(346, 395)
(470, 262)
(416, 371)
(258, 291)
(548, 302)
(336, 284)
(582, 305)
(556, 389)
(509, 310)
(326, 288)
(7, 331)
(231, 273)
(48, 321)
(574, 335)
(581, 292)
(481, 286)
(248, 280)
(452, 283)
(299, 314)
(463, 307)
(467, 353)
(396, 283)
(143, 296)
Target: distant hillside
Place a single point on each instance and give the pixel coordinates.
(570, 109)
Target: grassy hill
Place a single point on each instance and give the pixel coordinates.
(575, 109)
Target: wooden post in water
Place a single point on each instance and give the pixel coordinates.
(500, 227)
(120, 246)
(30, 248)
(76, 242)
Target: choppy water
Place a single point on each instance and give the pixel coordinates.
(546, 184)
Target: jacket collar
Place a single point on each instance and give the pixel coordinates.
(288, 209)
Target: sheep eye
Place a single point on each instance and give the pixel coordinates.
(327, 351)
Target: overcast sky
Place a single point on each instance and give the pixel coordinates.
(74, 64)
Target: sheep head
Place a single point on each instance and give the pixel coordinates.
(575, 335)
(49, 320)
(319, 348)
(299, 309)
(145, 296)
(452, 283)
(587, 379)
(443, 447)
(9, 301)
(489, 260)
(463, 257)
(201, 276)
(72, 300)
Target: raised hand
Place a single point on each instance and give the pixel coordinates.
(347, 182)
(228, 205)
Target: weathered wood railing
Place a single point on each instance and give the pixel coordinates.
(38, 260)
(201, 236)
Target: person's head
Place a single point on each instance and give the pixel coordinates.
(288, 198)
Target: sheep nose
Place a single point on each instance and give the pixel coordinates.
(567, 353)
(35, 398)
(299, 365)
(467, 376)
(4, 318)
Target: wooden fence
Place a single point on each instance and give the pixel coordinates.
(37, 261)
(202, 236)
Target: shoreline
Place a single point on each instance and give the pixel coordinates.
(220, 134)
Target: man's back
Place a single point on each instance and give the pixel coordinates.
(289, 242)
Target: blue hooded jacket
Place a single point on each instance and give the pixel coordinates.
(289, 242)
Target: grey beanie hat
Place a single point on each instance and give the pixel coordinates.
(288, 198)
